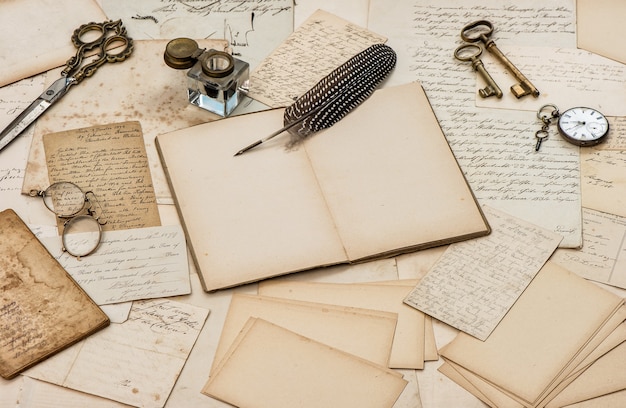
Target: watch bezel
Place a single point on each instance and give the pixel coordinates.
(579, 142)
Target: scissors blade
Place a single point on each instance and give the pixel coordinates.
(35, 110)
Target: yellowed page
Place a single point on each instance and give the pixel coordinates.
(111, 161)
(601, 257)
(602, 183)
(474, 283)
(550, 323)
(42, 309)
(393, 175)
(606, 339)
(604, 376)
(503, 398)
(600, 27)
(252, 216)
(323, 42)
(136, 362)
(430, 344)
(613, 400)
(408, 344)
(478, 386)
(140, 88)
(450, 371)
(340, 327)
(36, 39)
(281, 369)
(557, 73)
(615, 338)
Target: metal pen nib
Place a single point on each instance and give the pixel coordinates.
(278, 132)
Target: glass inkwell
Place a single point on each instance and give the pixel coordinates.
(216, 81)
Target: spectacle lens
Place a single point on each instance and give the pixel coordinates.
(81, 235)
(64, 199)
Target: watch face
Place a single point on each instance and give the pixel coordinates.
(583, 126)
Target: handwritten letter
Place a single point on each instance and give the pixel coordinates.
(13, 99)
(141, 263)
(252, 28)
(111, 161)
(602, 257)
(318, 46)
(494, 147)
(157, 339)
(42, 310)
(566, 77)
(474, 283)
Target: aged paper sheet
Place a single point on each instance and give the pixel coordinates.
(602, 257)
(252, 28)
(142, 88)
(323, 42)
(266, 357)
(133, 264)
(555, 318)
(566, 77)
(343, 328)
(27, 49)
(156, 339)
(606, 375)
(42, 310)
(475, 283)
(603, 185)
(494, 147)
(600, 27)
(14, 98)
(408, 344)
(616, 139)
(111, 161)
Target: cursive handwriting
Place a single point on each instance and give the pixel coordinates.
(111, 161)
(603, 254)
(318, 46)
(474, 283)
(131, 264)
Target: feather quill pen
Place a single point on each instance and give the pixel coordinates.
(335, 95)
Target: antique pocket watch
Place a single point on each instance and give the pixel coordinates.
(581, 126)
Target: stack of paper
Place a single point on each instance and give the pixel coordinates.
(341, 327)
(474, 283)
(411, 346)
(544, 350)
(270, 366)
(335, 339)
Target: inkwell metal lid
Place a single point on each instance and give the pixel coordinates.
(182, 53)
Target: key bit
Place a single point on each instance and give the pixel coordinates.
(481, 30)
(472, 52)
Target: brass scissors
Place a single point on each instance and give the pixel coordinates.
(111, 45)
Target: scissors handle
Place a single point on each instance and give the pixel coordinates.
(470, 32)
(107, 48)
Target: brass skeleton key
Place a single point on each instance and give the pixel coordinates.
(475, 32)
(471, 52)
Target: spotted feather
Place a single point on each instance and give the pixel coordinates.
(338, 93)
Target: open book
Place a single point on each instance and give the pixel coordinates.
(381, 182)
